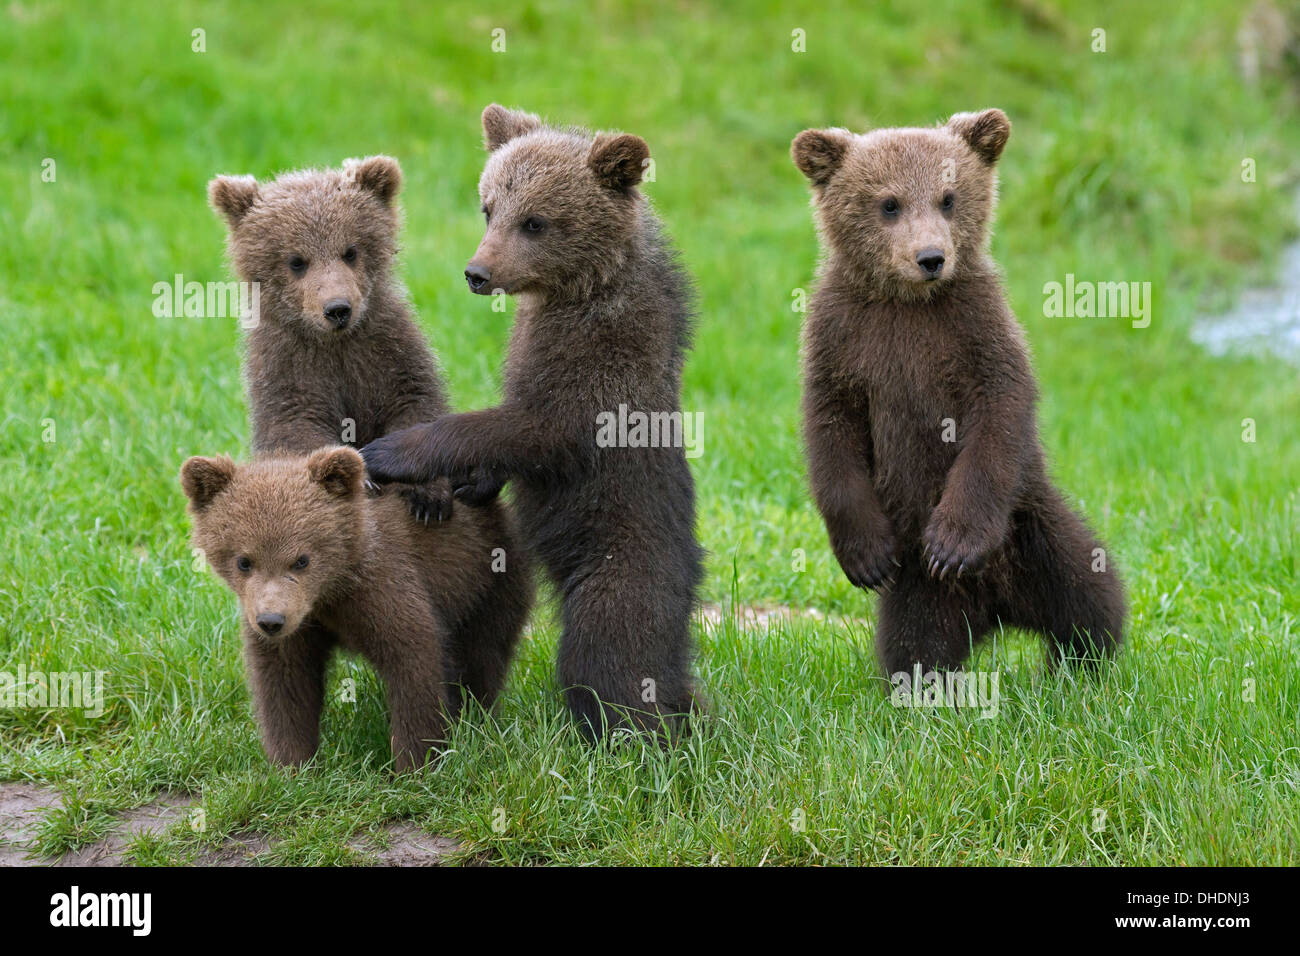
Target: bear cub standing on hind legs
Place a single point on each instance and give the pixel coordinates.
(317, 564)
(603, 320)
(335, 357)
(919, 417)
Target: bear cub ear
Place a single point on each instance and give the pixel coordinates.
(232, 197)
(204, 478)
(618, 159)
(985, 132)
(820, 152)
(338, 470)
(501, 125)
(381, 175)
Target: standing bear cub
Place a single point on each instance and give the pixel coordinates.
(603, 323)
(299, 541)
(918, 406)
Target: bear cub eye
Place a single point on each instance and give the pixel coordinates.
(534, 224)
(889, 207)
(297, 265)
(244, 563)
(301, 563)
(949, 200)
(350, 255)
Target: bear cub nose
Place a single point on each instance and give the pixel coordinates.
(476, 276)
(338, 312)
(931, 262)
(270, 623)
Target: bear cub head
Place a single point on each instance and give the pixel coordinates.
(286, 534)
(319, 242)
(907, 210)
(560, 204)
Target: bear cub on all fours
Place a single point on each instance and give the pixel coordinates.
(603, 322)
(299, 541)
(919, 406)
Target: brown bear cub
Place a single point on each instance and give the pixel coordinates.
(299, 541)
(919, 407)
(335, 356)
(604, 320)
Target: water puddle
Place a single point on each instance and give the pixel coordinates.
(1264, 321)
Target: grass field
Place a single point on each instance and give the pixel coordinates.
(1123, 165)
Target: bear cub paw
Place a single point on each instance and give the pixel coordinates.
(868, 559)
(431, 502)
(480, 487)
(955, 548)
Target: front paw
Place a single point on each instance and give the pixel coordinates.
(952, 547)
(429, 502)
(867, 558)
(403, 456)
(479, 487)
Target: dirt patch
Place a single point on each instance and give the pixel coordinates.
(405, 845)
(23, 805)
(153, 817)
(238, 849)
(765, 615)
(21, 808)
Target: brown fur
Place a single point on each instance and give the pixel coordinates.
(308, 374)
(603, 319)
(405, 595)
(957, 535)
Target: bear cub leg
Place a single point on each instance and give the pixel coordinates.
(1068, 589)
(287, 681)
(623, 658)
(417, 710)
(925, 622)
(482, 649)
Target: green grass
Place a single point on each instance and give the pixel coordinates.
(1121, 165)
